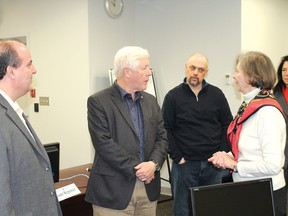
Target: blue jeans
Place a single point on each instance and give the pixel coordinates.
(187, 175)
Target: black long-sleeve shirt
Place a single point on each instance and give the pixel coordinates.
(196, 126)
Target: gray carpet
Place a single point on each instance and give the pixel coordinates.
(164, 206)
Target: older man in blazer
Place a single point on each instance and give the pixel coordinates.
(129, 138)
(26, 183)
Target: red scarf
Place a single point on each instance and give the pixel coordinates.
(234, 129)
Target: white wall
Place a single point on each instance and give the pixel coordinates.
(171, 31)
(264, 27)
(57, 33)
(73, 43)
(106, 36)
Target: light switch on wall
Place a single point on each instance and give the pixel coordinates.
(227, 79)
(44, 101)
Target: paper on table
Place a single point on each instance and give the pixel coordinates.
(67, 191)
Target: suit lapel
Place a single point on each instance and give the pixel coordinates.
(36, 140)
(18, 122)
(146, 114)
(284, 104)
(121, 105)
(282, 101)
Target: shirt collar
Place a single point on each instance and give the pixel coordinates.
(249, 96)
(123, 93)
(204, 83)
(13, 104)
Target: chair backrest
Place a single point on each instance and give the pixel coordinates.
(53, 151)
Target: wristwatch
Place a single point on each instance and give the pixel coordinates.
(235, 169)
(157, 165)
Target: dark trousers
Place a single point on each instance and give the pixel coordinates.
(191, 174)
(280, 201)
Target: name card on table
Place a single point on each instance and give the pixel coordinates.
(67, 191)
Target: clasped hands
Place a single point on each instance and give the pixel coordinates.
(223, 160)
(145, 171)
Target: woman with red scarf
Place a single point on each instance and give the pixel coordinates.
(258, 132)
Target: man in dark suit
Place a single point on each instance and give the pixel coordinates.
(26, 182)
(129, 138)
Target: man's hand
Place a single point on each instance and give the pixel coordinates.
(145, 171)
(182, 161)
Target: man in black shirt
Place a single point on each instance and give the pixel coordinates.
(196, 116)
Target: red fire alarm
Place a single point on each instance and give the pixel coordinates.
(33, 93)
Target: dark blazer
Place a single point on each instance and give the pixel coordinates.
(280, 98)
(117, 148)
(26, 183)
